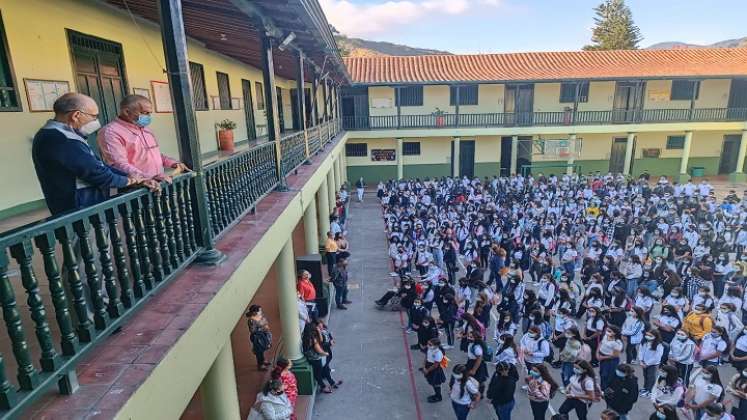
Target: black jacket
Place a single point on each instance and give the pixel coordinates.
(501, 389)
(621, 394)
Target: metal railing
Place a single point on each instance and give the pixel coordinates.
(292, 151)
(559, 118)
(315, 143)
(113, 256)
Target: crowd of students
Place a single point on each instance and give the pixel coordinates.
(602, 278)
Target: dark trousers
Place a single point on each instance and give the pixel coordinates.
(649, 377)
(606, 371)
(341, 294)
(539, 409)
(684, 372)
(461, 411)
(503, 411)
(260, 358)
(631, 352)
(321, 372)
(331, 259)
(449, 330)
(571, 404)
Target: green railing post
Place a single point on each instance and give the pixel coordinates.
(8, 395)
(169, 221)
(114, 308)
(100, 318)
(128, 225)
(27, 376)
(146, 266)
(68, 341)
(68, 242)
(120, 261)
(23, 253)
(153, 242)
(173, 205)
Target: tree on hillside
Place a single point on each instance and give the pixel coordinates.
(614, 28)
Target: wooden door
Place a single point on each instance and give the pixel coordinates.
(519, 101)
(628, 101)
(246, 90)
(617, 154)
(729, 154)
(467, 158)
(738, 99)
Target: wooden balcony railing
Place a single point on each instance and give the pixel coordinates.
(98, 265)
(560, 118)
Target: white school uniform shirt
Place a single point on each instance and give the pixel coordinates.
(609, 347)
(711, 344)
(644, 302)
(741, 343)
(683, 351)
(434, 355)
(704, 390)
(470, 388)
(562, 324)
(633, 329)
(538, 349)
(649, 356)
(578, 388)
(730, 322)
(508, 355)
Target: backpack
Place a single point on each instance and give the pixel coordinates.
(584, 353)
(444, 362)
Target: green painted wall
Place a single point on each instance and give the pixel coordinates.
(587, 166)
(656, 166)
(709, 163)
(426, 170)
(22, 208)
(372, 173)
(483, 169)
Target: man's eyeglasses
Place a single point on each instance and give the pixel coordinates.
(84, 112)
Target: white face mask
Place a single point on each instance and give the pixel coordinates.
(89, 127)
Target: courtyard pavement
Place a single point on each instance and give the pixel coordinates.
(372, 354)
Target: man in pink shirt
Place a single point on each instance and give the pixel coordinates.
(128, 145)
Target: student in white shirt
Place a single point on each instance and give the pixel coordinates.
(739, 351)
(728, 320)
(681, 353)
(632, 331)
(669, 389)
(505, 350)
(580, 390)
(534, 347)
(713, 346)
(608, 354)
(651, 352)
(705, 390)
(464, 392)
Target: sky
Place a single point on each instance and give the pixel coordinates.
(487, 26)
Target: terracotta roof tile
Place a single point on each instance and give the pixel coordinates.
(713, 62)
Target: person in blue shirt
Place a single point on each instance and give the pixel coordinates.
(71, 175)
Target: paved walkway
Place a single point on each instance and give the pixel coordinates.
(372, 354)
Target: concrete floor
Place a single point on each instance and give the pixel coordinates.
(372, 353)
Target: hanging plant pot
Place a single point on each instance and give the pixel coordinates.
(225, 140)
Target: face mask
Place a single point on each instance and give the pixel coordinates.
(681, 337)
(715, 335)
(578, 371)
(534, 374)
(706, 378)
(649, 338)
(143, 120)
(744, 373)
(619, 374)
(660, 415)
(89, 127)
(426, 324)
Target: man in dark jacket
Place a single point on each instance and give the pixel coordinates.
(622, 392)
(70, 174)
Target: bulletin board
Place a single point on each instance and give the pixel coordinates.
(161, 97)
(41, 94)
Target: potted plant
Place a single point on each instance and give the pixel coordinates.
(225, 135)
(440, 119)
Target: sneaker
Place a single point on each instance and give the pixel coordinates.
(642, 393)
(347, 302)
(524, 387)
(434, 398)
(448, 347)
(410, 331)
(343, 307)
(634, 362)
(562, 391)
(414, 347)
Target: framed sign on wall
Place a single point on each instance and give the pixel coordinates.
(41, 94)
(161, 97)
(382, 155)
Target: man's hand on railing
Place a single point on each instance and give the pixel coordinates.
(151, 184)
(164, 177)
(180, 167)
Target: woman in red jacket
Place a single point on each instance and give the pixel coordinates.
(283, 374)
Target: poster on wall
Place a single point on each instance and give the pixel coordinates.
(383, 155)
(142, 92)
(216, 102)
(161, 96)
(235, 103)
(41, 94)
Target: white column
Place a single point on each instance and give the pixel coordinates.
(322, 201)
(628, 153)
(285, 265)
(685, 155)
(331, 191)
(455, 157)
(514, 154)
(400, 163)
(218, 390)
(311, 229)
(572, 159)
(336, 174)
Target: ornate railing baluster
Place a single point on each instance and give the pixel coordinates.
(152, 235)
(27, 376)
(190, 214)
(69, 242)
(120, 261)
(8, 395)
(143, 246)
(23, 253)
(183, 216)
(128, 225)
(163, 239)
(114, 307)
(68, 340)
(176, 237)
(93, 280)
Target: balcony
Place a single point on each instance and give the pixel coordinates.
(528, 119)
(115, 256)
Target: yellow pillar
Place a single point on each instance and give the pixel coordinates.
(336, 172)
(311, 229)
(738, 175)
(286, 269)
(514, 154)
(400, 162)
(218, 389)
(344, 165)
(455, 158)
(628, 153)
(341, 169)
(572, 159)
(685, 157)
(322, 201)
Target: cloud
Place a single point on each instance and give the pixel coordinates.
(372, 19)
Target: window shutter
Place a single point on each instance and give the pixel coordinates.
(224, 90)
(199, 94)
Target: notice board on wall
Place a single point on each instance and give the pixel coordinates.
(381, 155)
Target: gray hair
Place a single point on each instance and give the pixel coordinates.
(71, 101)
(130, 101)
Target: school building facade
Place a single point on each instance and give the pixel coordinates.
(673, 113)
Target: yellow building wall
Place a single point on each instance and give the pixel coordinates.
(388, 143)
(433, 150)
(487, 148)
(714, 93)
(38, 46)
(547, 98)
(601, 97)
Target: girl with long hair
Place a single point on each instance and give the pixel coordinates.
(580, 391)
(464, 391)
(541, 388)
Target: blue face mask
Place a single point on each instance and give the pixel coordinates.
(143, 120)
(620, 374)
